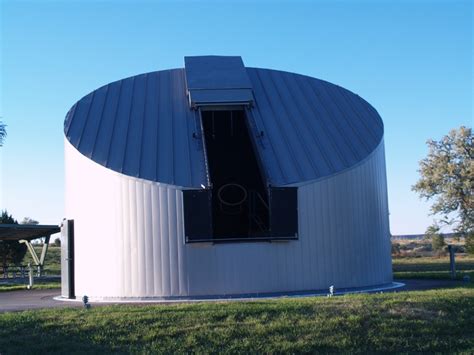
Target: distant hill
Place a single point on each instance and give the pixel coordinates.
(419, 236)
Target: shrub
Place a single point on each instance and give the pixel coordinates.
(470, 243)
(395, 249)
(437, 242)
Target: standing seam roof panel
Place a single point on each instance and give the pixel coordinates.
(336, 133)
(118, 142)
(289, 167)
(314, 125)
(344, 129)
(93, 120)
(313, 148)
(293, 117)
(321, 116)
(353, 107)
(290, 95)
(291, 136)
(181, 138)
(359, 106)
(106, 128)
(143, 126)
(131, 159)
(78, 120)
(150, 127)
(164, 165)
(352, 124)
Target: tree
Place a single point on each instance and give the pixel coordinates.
(11, 251)
(3, 132)
(28, 220)
(437, 240)
(447, 178)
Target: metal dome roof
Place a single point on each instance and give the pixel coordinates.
(303, 128)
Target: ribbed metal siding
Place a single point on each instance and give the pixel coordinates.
(143, 127)
(149, 246)
(128, 232)
(130, 238)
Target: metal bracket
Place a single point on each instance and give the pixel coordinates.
(38, 261)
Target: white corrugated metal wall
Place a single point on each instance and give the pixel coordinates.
(129, 237)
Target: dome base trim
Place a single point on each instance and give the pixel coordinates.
(241, 297)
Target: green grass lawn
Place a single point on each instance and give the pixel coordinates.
(417, 321)
(38, 285)
(428, 321)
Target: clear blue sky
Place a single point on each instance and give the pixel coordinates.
(412, 60)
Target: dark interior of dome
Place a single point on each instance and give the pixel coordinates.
(239, 195)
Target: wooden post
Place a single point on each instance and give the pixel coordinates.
(452, 265)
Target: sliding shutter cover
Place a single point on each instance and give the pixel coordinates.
(284, 212)
(197, 215)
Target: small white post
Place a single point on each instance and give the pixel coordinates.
(30, 276)
(331, 291)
